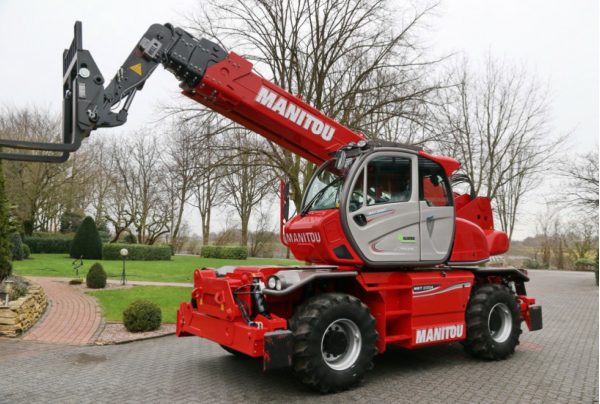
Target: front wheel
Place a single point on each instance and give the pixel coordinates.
(334, 342)
(493, 322)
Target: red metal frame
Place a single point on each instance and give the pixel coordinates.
(411, 309)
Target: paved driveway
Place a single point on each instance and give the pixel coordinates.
(557, 364)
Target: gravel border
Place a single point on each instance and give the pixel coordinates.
(116, 333)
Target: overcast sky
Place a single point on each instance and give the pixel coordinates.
(557, 40)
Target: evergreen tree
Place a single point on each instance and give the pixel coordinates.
(87, 242)
(5, 230)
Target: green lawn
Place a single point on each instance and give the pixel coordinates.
(168, 298)
(179, 269)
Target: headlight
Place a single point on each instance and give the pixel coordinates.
(273, 281)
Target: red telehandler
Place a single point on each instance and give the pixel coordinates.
(393, 254)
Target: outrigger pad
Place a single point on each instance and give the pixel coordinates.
(278, 349)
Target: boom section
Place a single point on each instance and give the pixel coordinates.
(222, 81)
(233, 89)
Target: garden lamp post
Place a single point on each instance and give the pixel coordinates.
(8, 285)
(124, 253)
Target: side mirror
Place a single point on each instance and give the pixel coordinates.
(284, 207)
(286, 201)
(340, 159)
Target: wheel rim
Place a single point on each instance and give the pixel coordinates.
(500, 322)
(341, 344)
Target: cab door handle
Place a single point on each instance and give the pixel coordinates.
(360, 219)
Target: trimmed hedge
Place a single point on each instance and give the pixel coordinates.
(96, 277)
(217, 251)
(142, 315)
(48, 245)
(87, 243)
(137, 252)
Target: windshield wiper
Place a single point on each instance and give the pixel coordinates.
(319, 195)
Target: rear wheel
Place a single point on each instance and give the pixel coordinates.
(334, 342)
(493, 322)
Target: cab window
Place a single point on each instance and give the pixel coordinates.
(434, 186)
(388, 180)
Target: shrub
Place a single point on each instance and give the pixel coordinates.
(96, 277)
(26, 251)
(217, 251)
(532, 264)
(137, 252)
(5, 267)
(19, 288)
(70, 222)
(49, 245)
(104, 235)
(17, 252)
(130, 239)
(142, 315)
(585, 264)
(87, 241)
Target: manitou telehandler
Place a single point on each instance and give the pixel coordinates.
(393, 254)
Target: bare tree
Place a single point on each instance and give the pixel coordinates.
(182, 170)
(583, 237)
(497, 127)
(263, 233)
(42, 193)
(582, 188)
(546, 223)
(141, 201)
(352, 60)
(247, 181)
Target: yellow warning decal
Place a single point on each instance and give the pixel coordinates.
(137, 68)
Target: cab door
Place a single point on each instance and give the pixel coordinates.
(436, 212)
(382, 209)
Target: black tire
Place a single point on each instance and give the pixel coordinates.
(324, 358)
(235, 353)
(493, 322)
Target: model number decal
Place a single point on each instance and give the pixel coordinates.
(430, 290)
(424, 288)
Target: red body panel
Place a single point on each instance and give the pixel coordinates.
(470, 243)
(313, 238)
(404, 312)
(474, 237)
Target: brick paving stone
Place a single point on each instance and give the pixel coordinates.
(558, 364)
(72, 317)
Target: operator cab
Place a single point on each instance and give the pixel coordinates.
(393, 204)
